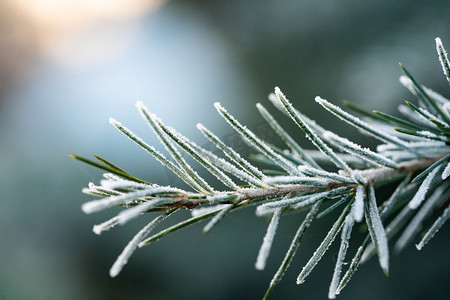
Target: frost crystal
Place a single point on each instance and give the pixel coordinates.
(358, 205)
(423, 189)
(268, 239)
(446, 172)
(443, 58)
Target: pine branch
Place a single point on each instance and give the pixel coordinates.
(298, 179)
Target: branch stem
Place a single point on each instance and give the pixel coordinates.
(374, 176)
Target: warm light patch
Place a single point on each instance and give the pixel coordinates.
(81, 32)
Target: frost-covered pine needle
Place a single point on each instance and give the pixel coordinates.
(352, 120)
(358, 205)
(353, 265)
(443, 58)
(334, 206)
(323, 247)
(293, 248)
(310, 134)
(125, 185)
(286, 137)
(98, 205)
(107, 225)
(359, 151)
(99, 191)
(376, 230)
(113, 177)
(345, 237)
(211, 159)
(250, 137)
(407, 83)
(133, 212)
(366, 250)
(302, 201)
(159, 157)
(296, 180)
(264, 251)
(423, 189)
(184, 143)
(436, 96)
(416, 223)
(161, 132)
(434, 228)
(216, 219)
(228, 151)
(414, 117)
(133, 244)
(357, 177)
(199, 211)
(446, 172)
(321, 173)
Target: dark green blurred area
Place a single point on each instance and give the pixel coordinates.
(185, 56)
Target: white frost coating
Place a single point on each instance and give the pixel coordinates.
(430, 135)
(251, 138)
(416, 223)
(193, 150)
(305, 200)
(98, 205)
(413, 145)
(265, 212)
(429, 115)
(216, 219)
(289, 201)
(159, 157)
(446, 172)
(434, 228)
(358, 178)
(407, 83)
(199, 211)
(112, 177)
(296, 180)
(122, 260)
(438, 97)
(221, 163)
(359, 151)
(321, 173)
(273, 98)
(218, 197)
(352, 120)
(135, 211)
(345, 236)
(267, 241)
(107, 225)
(233, 155)
(114, 122)
(310, 134)
(125, 184)
(185, 171)
(412, 115)
(358, 205)
(94, 189)
(292, 144)
(443, 58)
(446, 108)
(320, 251)
(377, 232)
(168, 135)
(423, 189)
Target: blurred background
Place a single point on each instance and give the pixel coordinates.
(66, 66)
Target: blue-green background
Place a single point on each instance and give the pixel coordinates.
(188, 55)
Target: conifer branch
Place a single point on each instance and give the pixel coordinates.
(298, 179)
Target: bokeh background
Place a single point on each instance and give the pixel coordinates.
(68, 65)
